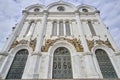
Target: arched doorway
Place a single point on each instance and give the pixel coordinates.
(18, 65)
(62, 68)
(105, 64)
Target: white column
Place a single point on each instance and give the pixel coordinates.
(107, 33)
(64, 28)
(37, 53)
(81, 33)
(15, 33)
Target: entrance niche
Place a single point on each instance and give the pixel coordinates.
(105, 64)
(62, 68)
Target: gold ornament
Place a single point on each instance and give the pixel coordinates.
(76, 43)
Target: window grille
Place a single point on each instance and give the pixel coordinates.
(91, 28)
(105, 64)
(61, 28)
(67, 24)
(54, 29)
(18, 65)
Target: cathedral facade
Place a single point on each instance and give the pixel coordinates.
(60, 41)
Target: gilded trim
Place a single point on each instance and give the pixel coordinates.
(99, 42)
(75, 42)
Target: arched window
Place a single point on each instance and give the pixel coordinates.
(54, 29)
(105, 64)
(62, 68)
(91, 28)
(68, 33)
(61, 28)
(18, 65)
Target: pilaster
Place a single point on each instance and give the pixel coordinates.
(81, 33)
(37, 51)
(41, 33)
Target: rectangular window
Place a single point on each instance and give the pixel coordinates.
(54, 29)
(68, 33)
(28, 28)
(91, 28)
(61, 28)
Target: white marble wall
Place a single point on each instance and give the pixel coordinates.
(39, 64)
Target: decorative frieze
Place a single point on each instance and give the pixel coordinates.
(75, 42)
(99, 42)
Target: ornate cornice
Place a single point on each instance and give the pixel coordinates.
(75, 42)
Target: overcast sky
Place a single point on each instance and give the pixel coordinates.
(11, 12)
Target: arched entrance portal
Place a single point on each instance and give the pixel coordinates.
(18, 65)
(105, 64)
(62, 68)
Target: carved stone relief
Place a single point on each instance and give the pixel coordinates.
(32, 43)
(90, 44)
(15, 43)
(107, 43)
(99, 42)
(75, 42)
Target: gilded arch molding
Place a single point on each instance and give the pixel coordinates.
(75, 42)
(91, 43)
(32, 43)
